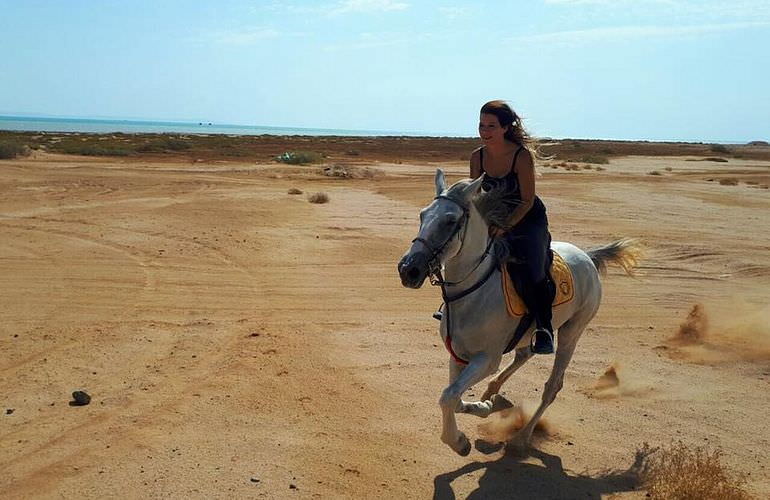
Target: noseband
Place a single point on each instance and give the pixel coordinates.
(434, 265)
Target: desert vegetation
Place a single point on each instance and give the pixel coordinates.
(318, 198)
(299, 157)
(389, 149)
(11, 149)
(682, 472)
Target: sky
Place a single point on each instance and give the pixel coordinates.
(612, 69)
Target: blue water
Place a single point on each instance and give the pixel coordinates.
(38, 124)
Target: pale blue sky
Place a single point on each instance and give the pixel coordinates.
(644, 69)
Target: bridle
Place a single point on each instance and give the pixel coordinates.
(434, 264)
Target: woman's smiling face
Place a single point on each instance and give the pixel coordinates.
(490, 130)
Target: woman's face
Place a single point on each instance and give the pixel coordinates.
(490, 130)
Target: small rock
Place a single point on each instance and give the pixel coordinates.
(292, 486)
(9, 411)
(254, 480)
(80, 398)
(570, 443)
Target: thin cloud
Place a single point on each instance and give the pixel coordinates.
(453, 12)
(341, 7)
(631, 32)
(694, 10)
(249, 36)
(366, 6)
(366, 41)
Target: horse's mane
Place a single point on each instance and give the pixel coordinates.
(493, 206)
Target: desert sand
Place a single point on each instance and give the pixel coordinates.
(240, 342)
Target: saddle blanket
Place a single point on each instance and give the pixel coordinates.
(562, 276)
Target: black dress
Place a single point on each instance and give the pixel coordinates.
(526, 246)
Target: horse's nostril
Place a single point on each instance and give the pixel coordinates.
(413, 273)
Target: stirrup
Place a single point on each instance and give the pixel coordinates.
(541, 349)
(439, 314)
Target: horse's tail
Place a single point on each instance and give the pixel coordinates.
(625, 252)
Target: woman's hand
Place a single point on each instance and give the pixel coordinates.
(496, 231)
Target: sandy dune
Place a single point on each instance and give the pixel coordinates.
(241, 342)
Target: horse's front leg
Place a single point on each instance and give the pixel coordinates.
(460, 379)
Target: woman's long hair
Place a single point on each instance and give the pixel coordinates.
(516, 132)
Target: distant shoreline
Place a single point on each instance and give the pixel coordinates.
(21, 123)
(14, 123)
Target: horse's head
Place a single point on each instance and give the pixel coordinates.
(442, 228)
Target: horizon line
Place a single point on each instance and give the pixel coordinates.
(381, 133)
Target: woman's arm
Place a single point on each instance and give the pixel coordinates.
(525, 171)
(475, 164)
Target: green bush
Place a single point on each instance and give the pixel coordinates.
(299, 157)
(95, 150)
(10, 150)
(164, 144)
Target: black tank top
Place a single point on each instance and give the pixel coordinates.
(510, 182)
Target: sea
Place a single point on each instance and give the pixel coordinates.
(102, 126)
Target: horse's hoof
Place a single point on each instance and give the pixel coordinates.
(499, 403)
(465, 447)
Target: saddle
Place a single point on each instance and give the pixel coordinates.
(562, 278)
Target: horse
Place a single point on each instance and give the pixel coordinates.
(476, 327)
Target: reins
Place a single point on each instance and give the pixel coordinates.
(436, 279)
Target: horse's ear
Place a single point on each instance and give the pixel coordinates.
(440, 181)
(474, 186)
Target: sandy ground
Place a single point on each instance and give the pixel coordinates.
(239, 341)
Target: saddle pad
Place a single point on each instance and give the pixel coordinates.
(562, 276)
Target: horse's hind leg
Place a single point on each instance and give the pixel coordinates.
(569, 334)
(460, 380)
(523, 355)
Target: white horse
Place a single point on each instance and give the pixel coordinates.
(476, 326)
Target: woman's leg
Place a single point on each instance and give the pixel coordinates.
(531, 244)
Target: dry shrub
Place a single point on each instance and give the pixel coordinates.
(594, 159)
(294, 191)
(599, 169)
(679, 472)
(668, 169)
(654, 172)
(343, 172)
(587, 167)
(728, 181)
(299, 157)
(318, 198)
(571, 167)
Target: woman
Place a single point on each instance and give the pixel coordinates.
(508, 169)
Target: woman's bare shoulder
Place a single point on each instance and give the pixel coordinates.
(524, 159)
